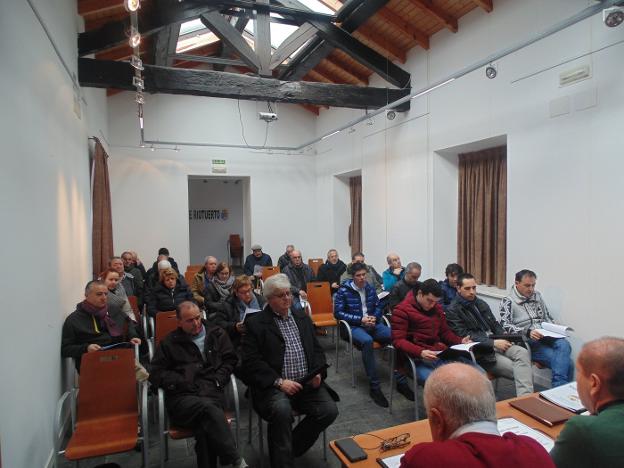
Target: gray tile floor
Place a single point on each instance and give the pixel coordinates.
(358, 414)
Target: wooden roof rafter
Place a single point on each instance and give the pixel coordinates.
(438, 13)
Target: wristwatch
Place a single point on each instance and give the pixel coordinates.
(278, 382)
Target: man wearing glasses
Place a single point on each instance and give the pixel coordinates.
(284, 365)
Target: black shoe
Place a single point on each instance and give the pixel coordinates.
(405, 390)
(378, 397)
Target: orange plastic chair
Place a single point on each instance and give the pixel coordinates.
(108, 408)
(189, 275)
(315, 264)
(235, 249)
(321, 305)
(269, 271)
(164, 324)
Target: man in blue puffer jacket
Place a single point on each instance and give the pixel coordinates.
(356, 303)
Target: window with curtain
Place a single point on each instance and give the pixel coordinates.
(102, 229)
(482, 215)
(355, 229)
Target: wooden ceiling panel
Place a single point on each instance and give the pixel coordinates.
(356, 67)
(338, 74)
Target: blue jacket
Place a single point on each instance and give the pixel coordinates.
(449, 293)
(251, 261)
(390, 279)
(348, 305)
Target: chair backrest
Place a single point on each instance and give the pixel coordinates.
(319, 297)
(107, 384)
(236, 246)
(315, 264)
(269, 271)
(189, 275)
(166, 322)
(134, 303)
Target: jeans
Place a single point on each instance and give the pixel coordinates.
(276, 407)
(425, 368)
(363, 337)
(554, 353)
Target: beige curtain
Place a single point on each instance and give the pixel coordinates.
(102, 236)
(355, 229)
(482, 217)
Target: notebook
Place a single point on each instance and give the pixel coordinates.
(544, 412)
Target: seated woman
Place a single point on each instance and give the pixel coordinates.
(167, 293)
(217, 291)
(117, 299)
(230, 315)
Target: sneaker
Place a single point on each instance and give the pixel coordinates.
(378, 397)
(405, 390)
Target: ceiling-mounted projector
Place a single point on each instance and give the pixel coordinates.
(267, 116)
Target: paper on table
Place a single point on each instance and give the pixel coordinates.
(554, 331)
(248, 312)
(518, 428)
(382, 294)
(391, 462)
(565, 396)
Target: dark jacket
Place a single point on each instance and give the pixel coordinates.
(264, 348)
(180, 368)
(228, 316)
(348, 303)
(152, 277)
(162, 299)
(448, 294)
(398, 293)
(414, 330)
(283, 261)
(132, 282)
(213, 302)
(251, 261)
(331, 273)
(373, 278)
(79, 332)
(299, 277)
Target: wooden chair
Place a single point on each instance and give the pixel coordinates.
(235, 249)
(315, 264)
(166, 322)
(140, 315)
(269, 271)
(321, 304)
(108, 408)
(189, 275)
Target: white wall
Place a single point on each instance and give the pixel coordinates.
(210, 236)
(149, 188)
(564, 173)
(45, 204)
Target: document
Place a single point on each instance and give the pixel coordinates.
(123, 344)
(518, 428)
(249, 312)
(382, 294)
(391, 462)
(554, 331)
(456, 351)
(565, 396)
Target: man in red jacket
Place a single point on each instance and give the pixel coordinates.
(419, 329)
(461, 408)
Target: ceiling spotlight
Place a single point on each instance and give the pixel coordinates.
(390, 115)
(132, 5)
(135, 39)
(491, 72)
(613, 16)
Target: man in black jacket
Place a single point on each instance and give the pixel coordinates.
(193, 364)
(280, 350)
(405, 285)
(469, 315)
(299, 274)
(284, 259)
(332, 270)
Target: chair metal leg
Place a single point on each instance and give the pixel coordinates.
(145, 424)
(261, 441)
(413, 366)
(250, 421)
(352, 366)
(325, 445)
(392, 357)
(161, 430)
(336, 363)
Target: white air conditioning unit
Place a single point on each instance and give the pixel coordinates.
(574, 76)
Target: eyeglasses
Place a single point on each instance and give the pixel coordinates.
(283, 295)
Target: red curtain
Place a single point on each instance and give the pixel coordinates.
(102, 233)
(355, 229)
(482, 215)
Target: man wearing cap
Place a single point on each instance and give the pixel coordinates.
(257, 257)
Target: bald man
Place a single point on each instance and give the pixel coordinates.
(596, 440)
(461, 408)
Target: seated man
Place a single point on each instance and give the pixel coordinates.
(596, 440)
(257, 257)
(299, 274)
(523, 311)
(419, 329)
(372, 277)
(91, 327)
(136, 261)
(357, 304)
(280, 348)
(165, 251)
(449, 285)
(202, 278)
(394, 273)
(192, 365)
(470, 315)
(331, 270)
(461, 409)
(402, 287)
(284, 259)
(131, 284)
(130, 266)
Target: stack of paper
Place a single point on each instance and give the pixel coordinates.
(554, 331)
(518, 428)
(565, 396)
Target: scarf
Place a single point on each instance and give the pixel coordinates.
(476, 314)
(102, 316)
(207, 280)
(242, 307)
(224, 288)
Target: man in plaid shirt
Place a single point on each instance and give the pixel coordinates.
(280, 350)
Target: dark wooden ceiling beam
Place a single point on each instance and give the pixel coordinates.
(404, 27)
(89, 7)
(165, 44)
(226, 50)
(292, 43)
(303, 14)
(485, 5)
(438, 13)
(212, 60)
(111, 74)
(262, 38)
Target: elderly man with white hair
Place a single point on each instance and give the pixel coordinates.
(284, 365)
(394, 273)
(461, 408)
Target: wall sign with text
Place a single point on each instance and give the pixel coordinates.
(208, 215)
